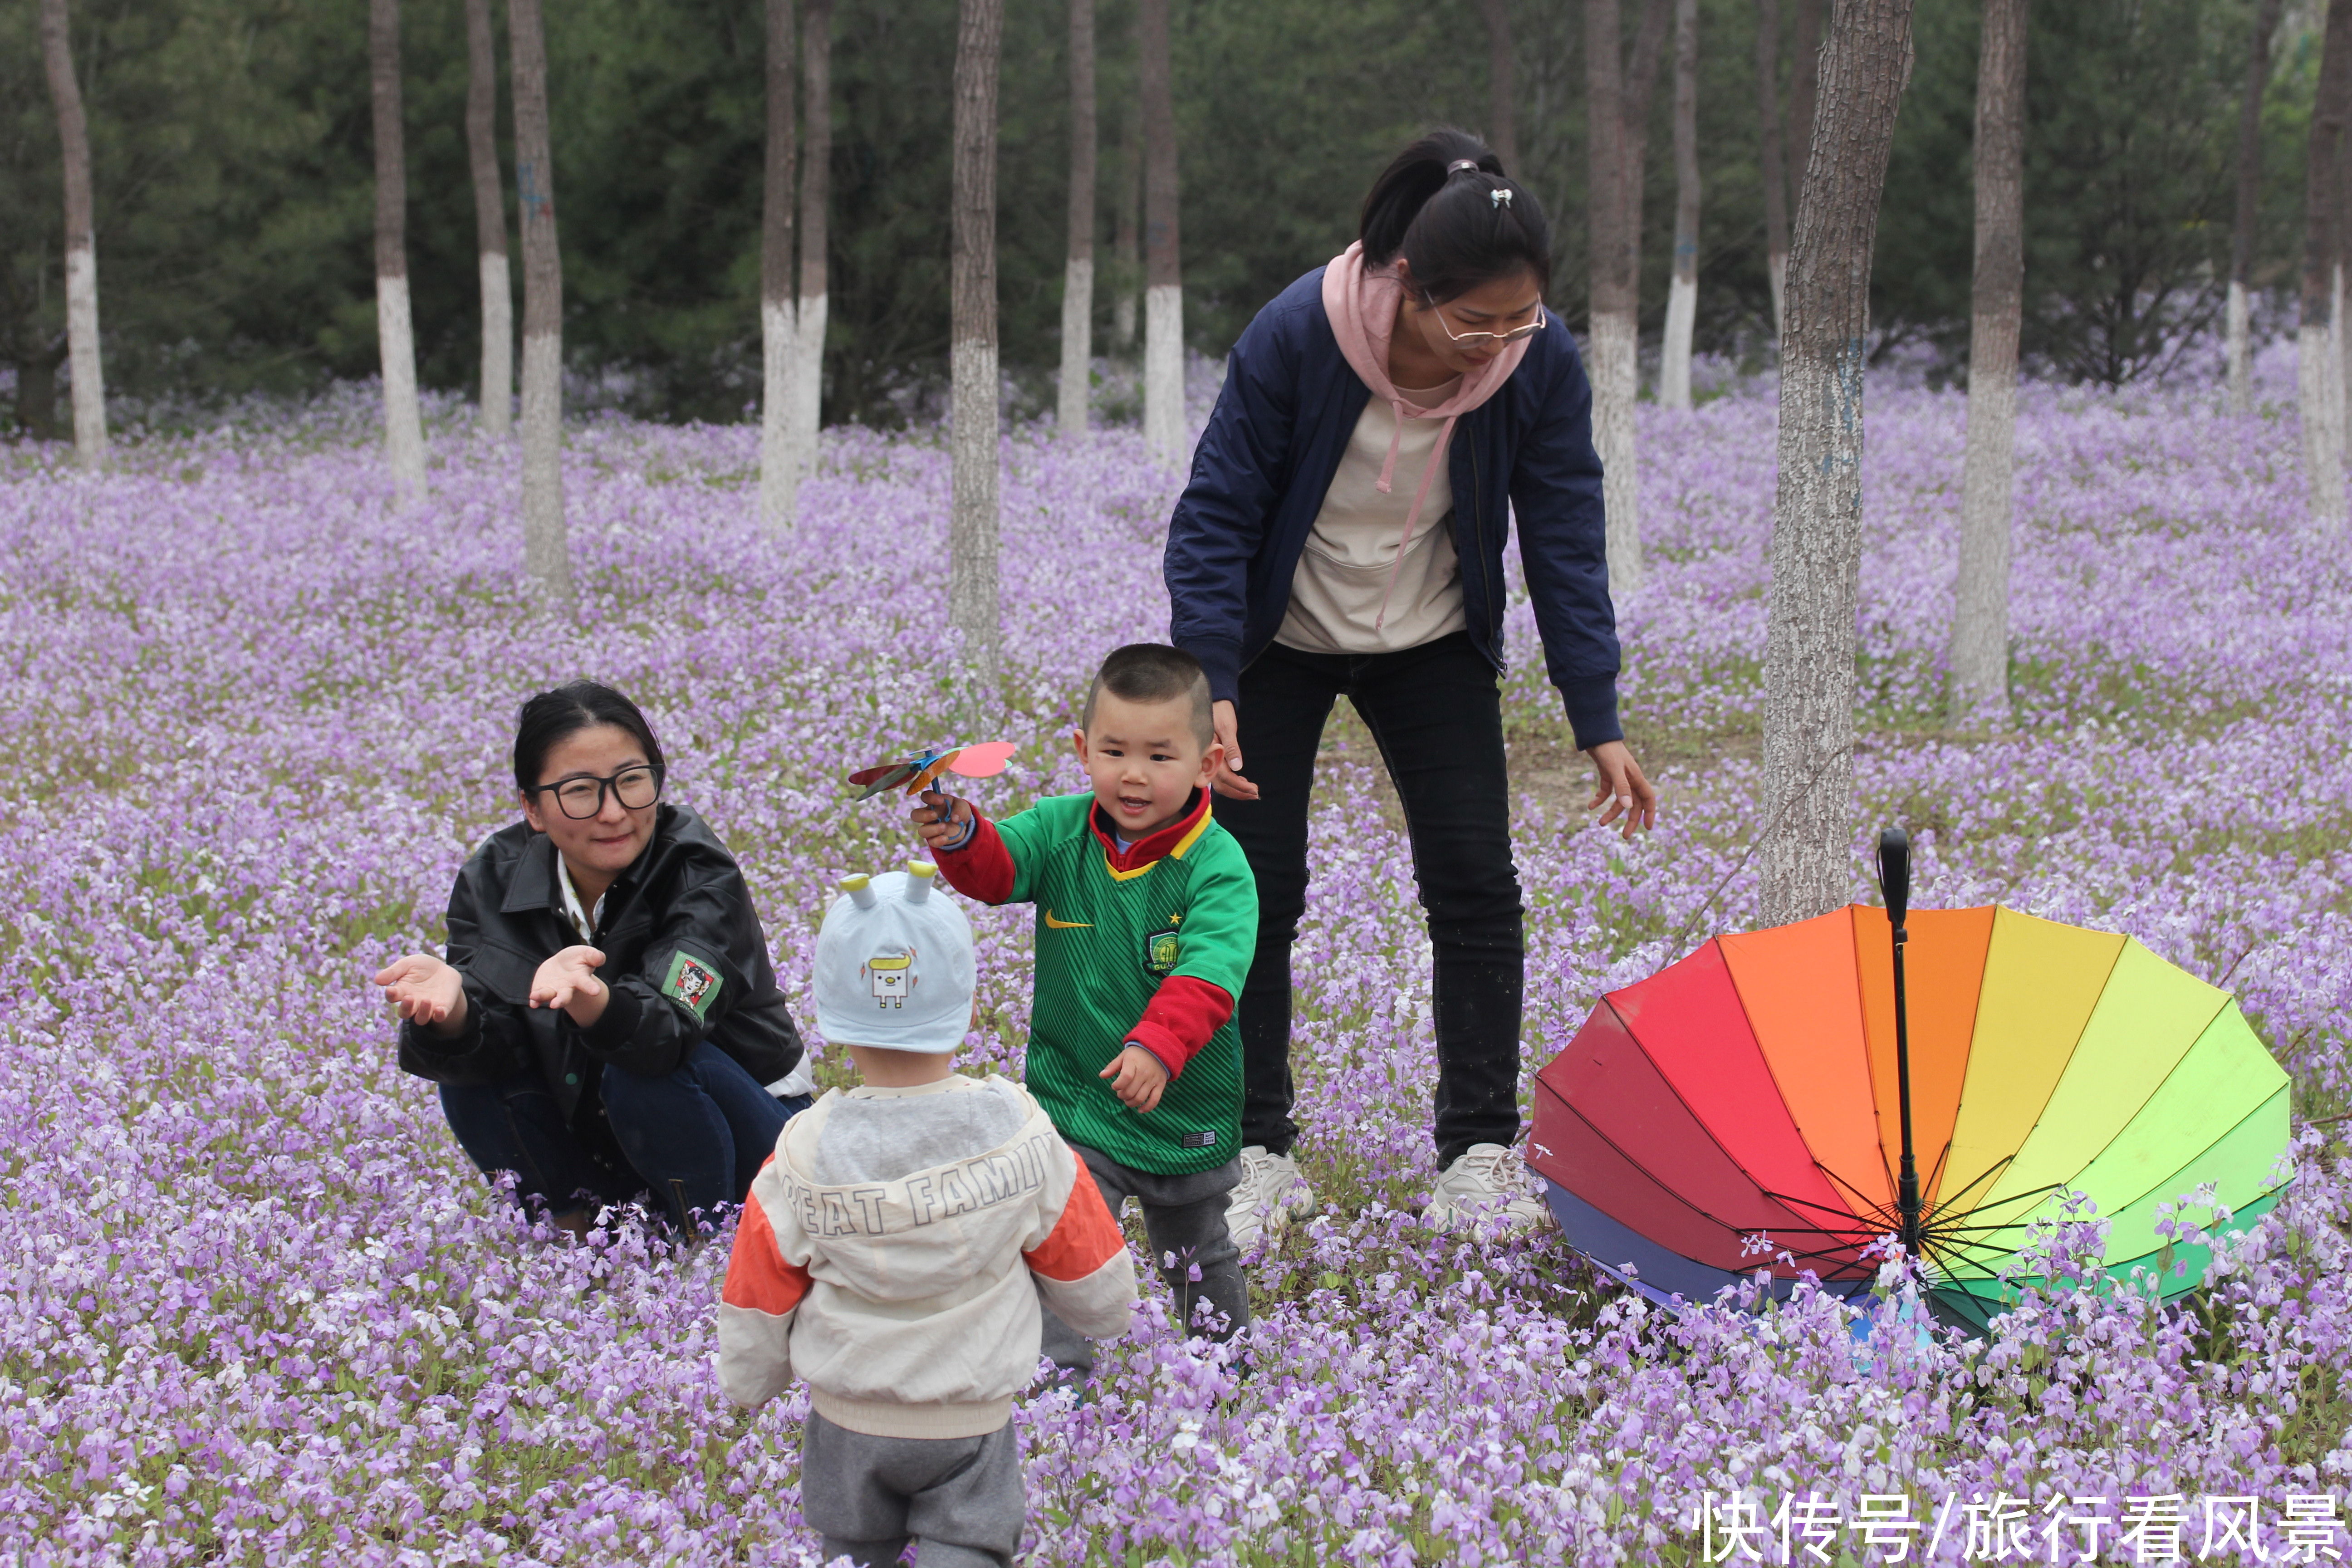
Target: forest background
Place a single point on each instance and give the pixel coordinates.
(235, 184)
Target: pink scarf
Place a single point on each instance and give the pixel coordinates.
(1363, 306)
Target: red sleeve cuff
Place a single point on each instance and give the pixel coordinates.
(1184, 1013)
(981, 869)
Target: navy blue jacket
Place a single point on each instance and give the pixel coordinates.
(1275, 440)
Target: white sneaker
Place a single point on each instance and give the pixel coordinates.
(1488, 1182)
(1271, 1193)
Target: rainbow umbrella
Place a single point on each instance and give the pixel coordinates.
(1744, 1108)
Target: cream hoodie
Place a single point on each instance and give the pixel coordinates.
(910, 1307)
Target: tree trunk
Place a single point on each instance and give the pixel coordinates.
(780, 476)
(1804, 87)
(81, 244)
(489, 222)
(1774, 159)
(972, 521)
(404, 427)
(1078, 276)
(2242, 229)
(1127, 236)
(1980, 653)
(1809, 675)
(1502, 84)
(1682, 292)
(2317, 374)
(816, 195)
(1617, 108)
(546, 548)
(1163, 279)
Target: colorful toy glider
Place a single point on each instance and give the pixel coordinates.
(919, 770)
(1744, 1108)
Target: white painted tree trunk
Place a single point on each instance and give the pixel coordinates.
(498, 346)
(1681, 324)
(2316, 376)
(1077, 344)
(83, 357)
(403, 425)
(547, 549)
(1615, 383)
(1682, 288)
(974, 605)
(808, 379)
(82, 245)
(1163, 372)
(2238, 334)
(1122, 320)
(1980, 648)
(973, 596)
(780, 468)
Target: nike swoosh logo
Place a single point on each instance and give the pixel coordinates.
(1066, 925)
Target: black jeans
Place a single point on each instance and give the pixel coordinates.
(1436, 711)
(696, 1137)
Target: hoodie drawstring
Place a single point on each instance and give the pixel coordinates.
(1412, 517)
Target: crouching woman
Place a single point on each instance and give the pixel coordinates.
(606, 1022)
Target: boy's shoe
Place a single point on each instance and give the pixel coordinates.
(1487, 1182)
(1270, 1194)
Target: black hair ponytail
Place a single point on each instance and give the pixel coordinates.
(1456, 227)
(583, 705)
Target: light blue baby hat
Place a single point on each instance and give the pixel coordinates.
(894, 964)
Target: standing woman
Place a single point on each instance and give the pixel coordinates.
(606, 1022)
(1342, 534)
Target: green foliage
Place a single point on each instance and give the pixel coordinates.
(233, 162)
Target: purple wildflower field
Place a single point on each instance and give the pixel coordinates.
(262, 1310)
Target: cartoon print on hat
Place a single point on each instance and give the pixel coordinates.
(893, 976)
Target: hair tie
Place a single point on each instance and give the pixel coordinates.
(1500, 196)
(1459, 164)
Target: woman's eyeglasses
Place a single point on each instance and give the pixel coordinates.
(1490, 340)
(580, 799)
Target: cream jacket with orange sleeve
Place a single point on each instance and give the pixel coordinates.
(910, 1307)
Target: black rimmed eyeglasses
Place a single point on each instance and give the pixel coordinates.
(580, 799)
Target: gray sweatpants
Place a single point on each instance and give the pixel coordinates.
(868, 1496)
(1184, 1215)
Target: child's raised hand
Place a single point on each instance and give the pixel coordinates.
(429, 992)
(940, 819)
(567, 980)
(1137, 1078)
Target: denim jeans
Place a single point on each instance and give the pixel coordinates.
(694, 1137)
(1437, 713)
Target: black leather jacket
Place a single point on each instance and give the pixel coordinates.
(674, 922)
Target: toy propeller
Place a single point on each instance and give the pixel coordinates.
(919, 770)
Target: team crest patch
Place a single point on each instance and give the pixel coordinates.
(1160, 950)
(691, 981)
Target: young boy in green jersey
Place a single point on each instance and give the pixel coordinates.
(1147, 922)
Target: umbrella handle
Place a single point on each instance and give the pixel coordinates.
(1895, 873)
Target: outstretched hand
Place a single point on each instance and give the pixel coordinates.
(1617, 779)
(567, 980)
(429, 992)
(1138, 1077)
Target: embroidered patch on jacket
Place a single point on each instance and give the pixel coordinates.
(692, 982)
(1207, 1139)
(1160, 950)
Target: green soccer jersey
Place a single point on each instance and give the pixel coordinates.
(1106, 940)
